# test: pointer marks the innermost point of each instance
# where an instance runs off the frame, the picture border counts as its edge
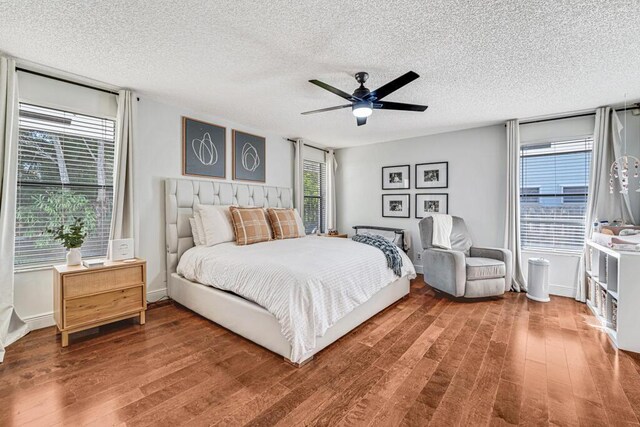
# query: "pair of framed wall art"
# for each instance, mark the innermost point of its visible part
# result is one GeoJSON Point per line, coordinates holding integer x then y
{"type": "Point", "coordinates": [427, 176]}
{"type": "Point", "coordinates": [204, 152]}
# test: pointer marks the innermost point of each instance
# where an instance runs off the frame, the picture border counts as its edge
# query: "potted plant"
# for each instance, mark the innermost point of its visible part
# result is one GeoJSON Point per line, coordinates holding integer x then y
{"type": "Point", "coordinates": [72, 237]}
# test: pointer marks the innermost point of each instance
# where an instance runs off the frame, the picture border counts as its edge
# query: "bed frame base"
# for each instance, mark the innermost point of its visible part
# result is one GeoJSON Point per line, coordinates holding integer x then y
{"type": "Point", "coordinates": [256, 324]}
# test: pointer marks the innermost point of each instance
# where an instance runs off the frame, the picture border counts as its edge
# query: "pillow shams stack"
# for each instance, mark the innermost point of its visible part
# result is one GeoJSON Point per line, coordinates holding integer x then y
{"type": "Point", "coordinates": [213, 223]}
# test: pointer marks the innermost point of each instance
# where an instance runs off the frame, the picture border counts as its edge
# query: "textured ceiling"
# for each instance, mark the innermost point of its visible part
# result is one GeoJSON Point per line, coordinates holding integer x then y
{"type": "Point", "coordinates": [249, 61]}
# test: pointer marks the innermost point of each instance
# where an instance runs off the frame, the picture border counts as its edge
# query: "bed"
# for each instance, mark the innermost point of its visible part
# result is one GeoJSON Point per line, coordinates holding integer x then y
{"type": "Point", "coordinates": [339, 291]}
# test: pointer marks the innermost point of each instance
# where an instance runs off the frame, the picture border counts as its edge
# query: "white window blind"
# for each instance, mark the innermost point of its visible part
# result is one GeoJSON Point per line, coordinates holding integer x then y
{"type": "Point", "coordinates": [65, 170]}
{"type": "Point", "coordinates": [315, 184]}
{"type": "Point", "coordinates": [554, 186]}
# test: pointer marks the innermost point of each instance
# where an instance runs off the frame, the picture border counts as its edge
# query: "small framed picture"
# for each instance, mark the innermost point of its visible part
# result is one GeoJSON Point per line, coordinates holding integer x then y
{"type": "Point", "coordinates": [396, 205]}
{"type": "Point", "coordinates": [249, 157]}
{"type": "Point", "coordinates": [203, 149]}
{"type": "Point", "coordinates": [431, 203]}
{"type": "Point", "coordinates": [396, 177]}
{"type": "Point", "coordinates": [432, 175]}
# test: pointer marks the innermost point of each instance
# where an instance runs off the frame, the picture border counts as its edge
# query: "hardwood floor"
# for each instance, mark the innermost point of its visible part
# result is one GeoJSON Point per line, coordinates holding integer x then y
{"type": "Point", "coordinates": [426, 360]}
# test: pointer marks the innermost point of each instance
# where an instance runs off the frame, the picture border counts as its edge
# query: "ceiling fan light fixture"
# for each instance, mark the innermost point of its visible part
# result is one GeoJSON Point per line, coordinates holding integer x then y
{"type": "Point", "coordinates": [362, 109]}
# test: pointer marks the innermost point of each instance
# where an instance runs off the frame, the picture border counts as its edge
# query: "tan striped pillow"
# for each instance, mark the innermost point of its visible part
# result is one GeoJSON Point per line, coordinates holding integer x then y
{"type": "Point", "coordinates": [250, 225]}
{"type": "Point", "coordinates": [283, 223]}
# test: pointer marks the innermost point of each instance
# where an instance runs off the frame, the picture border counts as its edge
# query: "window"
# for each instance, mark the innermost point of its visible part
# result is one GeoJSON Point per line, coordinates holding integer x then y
{"type": "Point", "coordinates": [65, 170]}
{"type": "Point", "coordinates": [315, 184]}
{"type": "Point", "coordinates": [554, 185]}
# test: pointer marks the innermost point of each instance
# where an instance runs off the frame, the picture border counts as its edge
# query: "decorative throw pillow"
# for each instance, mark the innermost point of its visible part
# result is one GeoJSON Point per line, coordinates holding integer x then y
{"type": "Point", "coordinates": [250, 225]}
{"type": "Point", "coordinates": [283, 223]}
{"type": "Point", "coordinates": [216, 224]}
{"type": "Point", "coordinates": [194, 232]}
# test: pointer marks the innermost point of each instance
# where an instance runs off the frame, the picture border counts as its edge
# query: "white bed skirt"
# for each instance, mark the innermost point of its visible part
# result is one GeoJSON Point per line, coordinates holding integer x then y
{"type": "Point", "coordinates": [256, 324]}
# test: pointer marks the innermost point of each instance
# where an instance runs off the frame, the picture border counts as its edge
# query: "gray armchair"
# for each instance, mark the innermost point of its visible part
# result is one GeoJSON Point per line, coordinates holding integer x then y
{"type": "Point", "coordinates": [465, 270]}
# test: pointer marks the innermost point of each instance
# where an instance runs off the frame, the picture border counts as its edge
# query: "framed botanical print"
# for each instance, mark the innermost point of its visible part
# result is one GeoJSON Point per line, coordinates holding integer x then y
{"type": "Point", "coordinates": [249, 159]}
{"type": "Point", "coordinates": [396, 177]}
{"type": "Point", "coordinates": [427, 204]}
{"type": "Point", "coordinates": [203, 149]}
{"type": "Point", "coordinates": [432, 175]}
{"type": "Point", "coordinates": [396, 205]}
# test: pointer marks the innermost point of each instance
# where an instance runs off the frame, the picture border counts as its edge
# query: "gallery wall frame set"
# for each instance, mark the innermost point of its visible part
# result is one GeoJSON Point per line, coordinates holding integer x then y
{"type": "Point", "coordinates": [432, 175]}
{"type": "Point", "coordinates": [204, 152]}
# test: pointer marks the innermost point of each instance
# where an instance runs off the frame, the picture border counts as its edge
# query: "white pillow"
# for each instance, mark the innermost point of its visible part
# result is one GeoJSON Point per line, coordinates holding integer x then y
{"type": "Point", "coordinates": [194, 232]}
{"type": "Point", "coordinates": [301, 232]}
{"type": "Point", "coordinates": [216, 224]}
{"type": "Point", "coordinates": [199, 226]}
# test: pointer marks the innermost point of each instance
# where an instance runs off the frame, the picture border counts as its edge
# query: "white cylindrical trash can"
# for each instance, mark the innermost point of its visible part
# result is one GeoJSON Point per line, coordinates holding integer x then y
{"type": "Point", "coordinates": [538, 280]}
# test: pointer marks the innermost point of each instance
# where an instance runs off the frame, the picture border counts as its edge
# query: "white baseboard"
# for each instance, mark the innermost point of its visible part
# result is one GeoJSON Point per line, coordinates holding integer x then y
{"type": "Point", "coordinates": [418, 268]}
{"type": "Point", "coordinates": [156, 295]}
{"type": "Point", "coordinates": [562, 291]}
{"type": "Point", "coordinates": [40, 321]}
{"type": "Point", "coordinates": [45, 320]}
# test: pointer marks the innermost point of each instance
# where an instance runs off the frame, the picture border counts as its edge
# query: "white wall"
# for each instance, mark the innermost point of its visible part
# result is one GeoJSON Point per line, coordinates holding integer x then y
{"type": "Point", "coordinates": [158, 155]}
{"type": "Point", "coordinates": [477, 174]}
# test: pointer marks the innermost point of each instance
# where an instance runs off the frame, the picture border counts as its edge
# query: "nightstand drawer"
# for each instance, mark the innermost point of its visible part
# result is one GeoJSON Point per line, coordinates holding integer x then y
{"type": "Point", "coordinates": [94, 308]}
{"type": "Point", "coordinates": [91, 282]}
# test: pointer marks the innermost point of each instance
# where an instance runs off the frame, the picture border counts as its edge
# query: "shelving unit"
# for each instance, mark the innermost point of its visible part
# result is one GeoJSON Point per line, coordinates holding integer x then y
{"type": "Point", "coordinates": [613, 294]}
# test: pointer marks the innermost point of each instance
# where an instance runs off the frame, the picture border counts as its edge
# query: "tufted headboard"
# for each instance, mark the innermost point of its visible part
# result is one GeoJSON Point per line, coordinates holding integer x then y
{"type": "Point", "coordinates": [181, 195]}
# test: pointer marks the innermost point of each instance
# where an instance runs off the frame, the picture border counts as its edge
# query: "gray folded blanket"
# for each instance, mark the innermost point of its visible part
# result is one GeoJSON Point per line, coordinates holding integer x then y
{"type": "Point", "coordinates": [390, 250]}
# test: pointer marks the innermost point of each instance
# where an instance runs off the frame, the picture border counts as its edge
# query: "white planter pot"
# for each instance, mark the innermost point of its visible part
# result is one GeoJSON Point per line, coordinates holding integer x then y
{"type": "Point", "coordinates": [74, 256]}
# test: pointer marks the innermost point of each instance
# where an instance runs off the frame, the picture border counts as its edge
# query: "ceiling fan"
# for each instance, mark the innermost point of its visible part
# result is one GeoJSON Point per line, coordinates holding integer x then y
{"type": "Point", "coordinates": [363, 101]}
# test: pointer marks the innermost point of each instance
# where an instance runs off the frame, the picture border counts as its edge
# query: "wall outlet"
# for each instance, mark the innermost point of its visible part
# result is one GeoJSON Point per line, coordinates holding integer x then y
{"type": "Point", "coordinates": [418, 256]}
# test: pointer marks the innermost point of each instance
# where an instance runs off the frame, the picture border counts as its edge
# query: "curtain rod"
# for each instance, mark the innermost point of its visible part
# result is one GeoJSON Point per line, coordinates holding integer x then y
{"type": "Point", "coordinates": [309, 145]}
{"type": "Point", "coordinates": [574, 116]}
{"type": "Point", "coordinates": [24, 70]}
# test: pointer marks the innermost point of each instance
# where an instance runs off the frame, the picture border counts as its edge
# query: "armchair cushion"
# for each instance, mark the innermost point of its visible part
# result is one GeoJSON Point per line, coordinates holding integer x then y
{"type": "Point", "coordinates": [484, 268]}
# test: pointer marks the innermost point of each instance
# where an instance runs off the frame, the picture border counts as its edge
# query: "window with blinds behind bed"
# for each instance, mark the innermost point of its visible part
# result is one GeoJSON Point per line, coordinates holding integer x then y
{"type": "Point", "coordinates": [315, 185]}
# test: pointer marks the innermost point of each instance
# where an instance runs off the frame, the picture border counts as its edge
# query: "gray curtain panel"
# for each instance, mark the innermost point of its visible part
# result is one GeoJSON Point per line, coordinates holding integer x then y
{"type": "Point", "coordinates": [332, 167]}
{"type": "Point", "coordinates": [512, 217]}
{"type": "Point", "coordinates": [122, 219]}
{"type": "Point", "coordinates": [12, 328]}
{"type": "Point", "coordinates": [607, 146]}
{"type": "Point", "coordinates": [298, 177]}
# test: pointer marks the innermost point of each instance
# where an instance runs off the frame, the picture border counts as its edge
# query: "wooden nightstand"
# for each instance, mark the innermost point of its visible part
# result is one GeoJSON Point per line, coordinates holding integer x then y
{"type": "Point", "coordinates": [343, 236]}
{"type": "Point", "coordinates": [84, 298]}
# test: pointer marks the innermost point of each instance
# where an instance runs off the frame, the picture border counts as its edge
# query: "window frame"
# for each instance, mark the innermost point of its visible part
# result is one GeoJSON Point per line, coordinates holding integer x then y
{"type": "Point", "coordinates": [586, 140]}
{"type": "Point", "coordinates": [322, 179]}
{"type": "Point", "coordinates": [47, 265]}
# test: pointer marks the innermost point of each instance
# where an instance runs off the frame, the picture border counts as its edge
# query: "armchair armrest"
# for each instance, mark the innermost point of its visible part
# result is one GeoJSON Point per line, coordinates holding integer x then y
{"type": "Point", "coordinates": [445, 270]}
{"type": "Point", "coordinates": [503, 255]}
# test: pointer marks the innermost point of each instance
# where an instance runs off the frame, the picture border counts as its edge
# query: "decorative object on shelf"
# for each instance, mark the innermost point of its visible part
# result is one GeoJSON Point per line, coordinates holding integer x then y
{"type": "Point", "coordinates": [432, 175]}
{"type": "Point", "coordinates": [249, 158]}
{"type": "Point", "coordinates": [396, 205]}
{"type": "Point", "coordinates": [614, 314]}
{"type": "Point", "coordinates": [72, 237]}
{"type": "Point", "coordinates": [428, 203]}
{"type": "Point", "coordinates": [120, 249]}
{"type": "Point", "coordinates": [203, 149]}
{"type": "Point", "coordinates": [396, 177]}
{"type": "Point", "coordinates": [332, 232]}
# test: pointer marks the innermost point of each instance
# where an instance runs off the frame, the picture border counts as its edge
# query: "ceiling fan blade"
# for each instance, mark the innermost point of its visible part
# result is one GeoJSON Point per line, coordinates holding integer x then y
{"type": "Point", "coordinates": [386, 105]}
{"type": "Point", "coordinates": [322, 110]}
{"type": "Point", "coordinates": [393, 85]}
{"type": "Point", "coordinates": [361, 121]}
{"type": "Point", "coordinates": [334, 90]}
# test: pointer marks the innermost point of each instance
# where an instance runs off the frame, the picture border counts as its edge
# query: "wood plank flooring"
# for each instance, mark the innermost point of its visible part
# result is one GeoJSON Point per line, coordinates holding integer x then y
{"type": "Point", "coordinates": [427, 360]}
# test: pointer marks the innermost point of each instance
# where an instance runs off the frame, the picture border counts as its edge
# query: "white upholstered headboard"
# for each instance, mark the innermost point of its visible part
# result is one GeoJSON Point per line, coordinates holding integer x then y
{"type": "Point", "coordinates": [181, 195]}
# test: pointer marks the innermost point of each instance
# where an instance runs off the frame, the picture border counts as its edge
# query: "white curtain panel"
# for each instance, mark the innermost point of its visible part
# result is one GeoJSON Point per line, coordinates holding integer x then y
{"type": "Point", "coordinates": [332, 167]}
{"type": "Point", "coordinates": [12, 328]}
{"type": "Point", "coordinates": [122, 219]}
{"type": "Point", "coordinates": [512, 222]}
{"type": "Point", "coordinates": [607, 145]}
{"type": "Point", "coordinates": [298, 177]}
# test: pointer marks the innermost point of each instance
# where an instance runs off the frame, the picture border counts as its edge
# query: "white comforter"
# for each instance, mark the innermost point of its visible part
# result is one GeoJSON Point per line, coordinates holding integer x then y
{"type": "Point", "coordinates": [308, 284]}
